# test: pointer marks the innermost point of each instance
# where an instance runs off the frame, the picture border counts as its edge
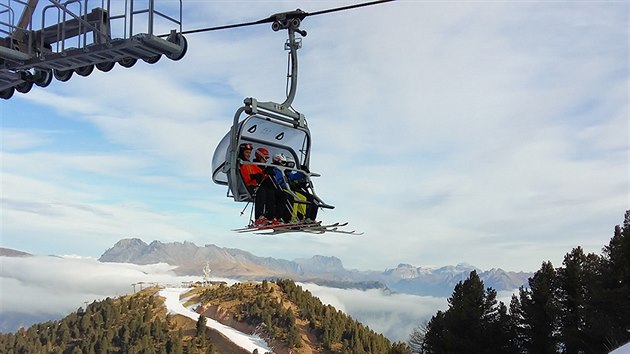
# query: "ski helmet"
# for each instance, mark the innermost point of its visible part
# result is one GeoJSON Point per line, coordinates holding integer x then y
{"type": "Point", "coordinates": [246, 146]}
{"type": "Point", "coordinates": [289, 161]}
{"type": "Point", "coordinates": [279, 159]}
{"type": "Point", "coordinates": [261, 154]}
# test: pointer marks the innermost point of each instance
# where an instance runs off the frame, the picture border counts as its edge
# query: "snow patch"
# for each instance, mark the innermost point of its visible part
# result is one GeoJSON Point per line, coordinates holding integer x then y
{"type": "Point", "coordinates": [245, 341]}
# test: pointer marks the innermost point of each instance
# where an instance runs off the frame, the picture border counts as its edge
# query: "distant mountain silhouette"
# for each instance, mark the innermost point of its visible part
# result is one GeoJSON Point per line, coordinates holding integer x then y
{"type": "Point", "coordinates": [8, 252]}
{"type": "Point", "coordinates": [409, 279]}
{"type": "Point", "coordinates": [324, 270]}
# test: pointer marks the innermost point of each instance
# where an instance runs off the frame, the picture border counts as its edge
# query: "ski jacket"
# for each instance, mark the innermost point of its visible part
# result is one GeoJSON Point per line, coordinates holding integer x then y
{"type": "Point", "coordinates": [252, 174]}
{"type": "Point", "coordinates": [297, 180]}
{"type": "Point", "coordinates": [278, 178]}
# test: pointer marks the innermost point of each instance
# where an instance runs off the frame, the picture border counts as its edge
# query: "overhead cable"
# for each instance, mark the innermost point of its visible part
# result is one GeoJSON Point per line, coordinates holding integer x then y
{"type": "Point", "coordinates": [272, 18]}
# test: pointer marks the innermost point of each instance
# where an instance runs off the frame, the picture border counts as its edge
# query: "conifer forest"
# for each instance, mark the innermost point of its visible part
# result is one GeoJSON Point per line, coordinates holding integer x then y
{"type": "Point", "coordinates": [583, 306]}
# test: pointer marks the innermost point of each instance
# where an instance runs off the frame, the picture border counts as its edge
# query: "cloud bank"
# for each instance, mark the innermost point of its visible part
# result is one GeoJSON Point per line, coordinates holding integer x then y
{"type": "Point", "coordinates": [394, 315]}
{"type": "Point", "coordinates": [40, 288]}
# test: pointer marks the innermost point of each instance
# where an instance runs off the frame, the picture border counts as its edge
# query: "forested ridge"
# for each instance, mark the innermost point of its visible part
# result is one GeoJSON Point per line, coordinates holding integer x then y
{"type": "Point", "coordinates": [289, 318]}
{"type": "Point", "coordinates": [582, 306]}
{"type": "Point", "coordinates": [128, 324]}
{"type": "Point", "coordinates": [294, 320]}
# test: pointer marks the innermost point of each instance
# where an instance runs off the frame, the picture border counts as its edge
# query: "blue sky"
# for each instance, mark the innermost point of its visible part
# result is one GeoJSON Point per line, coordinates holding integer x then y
{"type": "Point", "coordinates": [492, 133]}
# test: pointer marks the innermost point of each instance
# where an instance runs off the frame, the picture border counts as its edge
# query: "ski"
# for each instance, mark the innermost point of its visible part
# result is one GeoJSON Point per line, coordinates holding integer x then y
{"type": "Point", "coordinates": [336, 229]}
{"type": "Point", "coordinates": [307, 227]}
{"type": "Point", "coordinates": [290, 225]}
{"type": "Point", "coordinates": [312, 229]}
{"type": "Point", "coordinates": [315, 227]}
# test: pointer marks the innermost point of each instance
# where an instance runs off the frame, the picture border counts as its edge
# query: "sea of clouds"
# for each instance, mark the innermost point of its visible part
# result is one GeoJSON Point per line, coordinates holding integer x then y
{"type": "Point", "coordinates": [40, 288]}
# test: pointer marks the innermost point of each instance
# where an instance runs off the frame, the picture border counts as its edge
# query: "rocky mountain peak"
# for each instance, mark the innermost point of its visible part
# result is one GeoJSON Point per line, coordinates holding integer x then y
{"type": "Point", "coordinates": [125, 251]}
{"type": "Point", "coordinates": [406, 271]}
{"type": "Point", "coordinates": [405, 265]}
{"type": "Point", "coordinates": [130, 242]}
{"type": "Point", "coordinates": [321, 264]}
{"type": "Point", "coordinates": [458, 269]}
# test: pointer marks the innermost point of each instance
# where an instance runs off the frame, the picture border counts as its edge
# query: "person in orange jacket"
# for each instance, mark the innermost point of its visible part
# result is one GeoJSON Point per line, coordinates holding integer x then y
{"type": "Point", "coordinates": [259, 184]}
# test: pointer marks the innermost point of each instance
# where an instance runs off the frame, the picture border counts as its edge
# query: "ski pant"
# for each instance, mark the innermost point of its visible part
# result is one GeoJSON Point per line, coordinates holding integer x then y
{"type": "Point", "coordinates": [284, 205]}
{"type": "Point", "coordinates": [272, 202]}
{"type": "Point", "coordinates": [264, 203]}
{"type": "Point", "coordinates": [306, 210]}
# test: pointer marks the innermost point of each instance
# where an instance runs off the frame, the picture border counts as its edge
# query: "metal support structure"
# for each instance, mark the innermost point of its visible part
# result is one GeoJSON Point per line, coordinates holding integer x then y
{"type": "Point", "coordinates": [29, 56]}
{"type": "Point", "coordinates": [27, 14]}
{"type": "Point", "coordinates": [291, 22]}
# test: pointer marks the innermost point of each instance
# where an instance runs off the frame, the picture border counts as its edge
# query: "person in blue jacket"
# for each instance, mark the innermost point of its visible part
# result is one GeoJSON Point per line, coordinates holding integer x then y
{"type": "Point", "coordinates": [283, 197]}
{"type": "Point", "coordinates": [299, 183]}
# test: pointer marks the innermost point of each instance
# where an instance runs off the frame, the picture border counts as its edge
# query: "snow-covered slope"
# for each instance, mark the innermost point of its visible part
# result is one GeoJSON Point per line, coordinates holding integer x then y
{"type": "Point", "coordinates": [245, 341]}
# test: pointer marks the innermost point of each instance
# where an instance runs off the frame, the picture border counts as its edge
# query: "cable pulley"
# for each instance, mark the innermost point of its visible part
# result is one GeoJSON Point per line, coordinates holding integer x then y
{"type": "Point", "coordinates": [289, 20]}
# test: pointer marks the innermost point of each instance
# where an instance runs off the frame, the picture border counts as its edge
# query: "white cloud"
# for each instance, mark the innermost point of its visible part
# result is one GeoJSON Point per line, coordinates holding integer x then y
{"type": "Point", "coordinates": [15, 139]}
{"type": "Point", "coordinates": [394, 315]}
{"type": "Point", "coordinates": [56, 286]}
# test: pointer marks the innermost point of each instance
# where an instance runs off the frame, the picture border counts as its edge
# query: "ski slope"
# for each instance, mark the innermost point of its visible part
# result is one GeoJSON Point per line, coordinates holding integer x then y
{"type": "Point", "coordinates": [245, 341]}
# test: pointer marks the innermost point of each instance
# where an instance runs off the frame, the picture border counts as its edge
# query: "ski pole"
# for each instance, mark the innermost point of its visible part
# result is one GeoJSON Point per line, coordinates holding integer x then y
{"type": "Point", "coordinates": [243, 211]}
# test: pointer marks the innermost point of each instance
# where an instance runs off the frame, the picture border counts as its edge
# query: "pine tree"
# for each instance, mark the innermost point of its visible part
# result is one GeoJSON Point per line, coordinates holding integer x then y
{"type": "Point", "coordinates": [614, 299]}
{"type": "Point", "coordinates": [174, 344]}
{"type": "Point", "coordinates": [190, 347]}
{"type": "Point", "coordinates": [539, 312]}
{"type": "Point", "coordinates": [200, 329]}
{"type": "Point", "coordinates": [63, 334]}
{"type": "Point", "coordinates": [437, 338]}
{"type": "Point", "coordinates": [474, 322]}
{"type": "Point", "coordinates": [573, 300]}
{"type": "Point", "coordinates": [84, 323]}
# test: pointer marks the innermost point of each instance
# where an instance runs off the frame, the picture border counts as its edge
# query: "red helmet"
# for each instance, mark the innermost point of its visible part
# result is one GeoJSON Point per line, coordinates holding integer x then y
{"type": "Point", "coordinates": [261, 154]}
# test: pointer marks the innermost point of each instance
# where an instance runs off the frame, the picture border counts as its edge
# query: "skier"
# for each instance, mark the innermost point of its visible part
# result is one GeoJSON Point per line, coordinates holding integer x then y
{"type": "Point", "coordinates": [284, 197]}
{"type": "Point", "coordinates": [299, 184]}
{"type": "Point", "coordinates": [259, 184]}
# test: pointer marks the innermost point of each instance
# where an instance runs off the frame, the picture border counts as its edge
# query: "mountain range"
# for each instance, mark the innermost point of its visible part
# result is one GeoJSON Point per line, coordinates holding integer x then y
{"type": "Point", "coordinates": [190, 259]}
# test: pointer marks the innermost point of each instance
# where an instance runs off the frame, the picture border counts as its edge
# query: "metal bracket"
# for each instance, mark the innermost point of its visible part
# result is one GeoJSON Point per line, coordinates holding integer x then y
{"type": "Point", "coordinates": [297, 44]}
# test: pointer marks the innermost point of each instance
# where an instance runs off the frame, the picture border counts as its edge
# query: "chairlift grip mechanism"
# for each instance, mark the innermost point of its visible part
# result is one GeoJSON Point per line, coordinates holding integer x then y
{"type": "Point", "coordinates": [275, 110]}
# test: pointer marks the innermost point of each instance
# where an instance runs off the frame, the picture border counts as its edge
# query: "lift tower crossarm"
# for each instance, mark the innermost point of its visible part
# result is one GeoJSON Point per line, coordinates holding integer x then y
{"type": "Point", "coordinates": [27, 14]}
{"type": "Point", "coordinates": [22, 28]}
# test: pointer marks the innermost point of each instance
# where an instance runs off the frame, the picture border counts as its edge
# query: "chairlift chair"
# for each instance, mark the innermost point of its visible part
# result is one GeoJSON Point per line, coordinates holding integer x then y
{"type": "Point", "coordinates": [276, 127]}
